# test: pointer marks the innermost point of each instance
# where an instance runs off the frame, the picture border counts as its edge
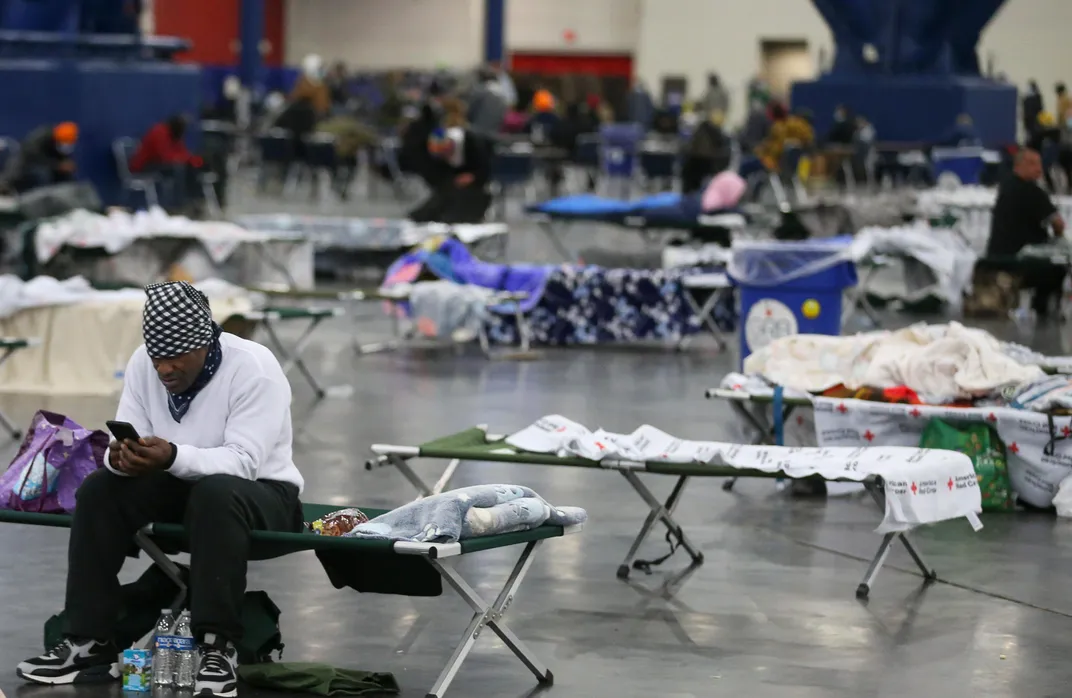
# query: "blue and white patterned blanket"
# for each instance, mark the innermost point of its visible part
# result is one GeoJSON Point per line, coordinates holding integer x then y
{"type": "Point", "coordinates": [469, 512]}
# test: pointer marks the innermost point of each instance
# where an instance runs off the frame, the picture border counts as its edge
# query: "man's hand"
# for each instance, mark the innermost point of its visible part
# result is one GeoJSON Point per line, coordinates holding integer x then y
{"type": "Point", "coordinates": [464, 179]}
{"type": "Point", "coordinates": [145, 455]}
{"type": "Point", "coordinates": [66, 167]}
{"type": "Point", "coordinates": [113, 456]}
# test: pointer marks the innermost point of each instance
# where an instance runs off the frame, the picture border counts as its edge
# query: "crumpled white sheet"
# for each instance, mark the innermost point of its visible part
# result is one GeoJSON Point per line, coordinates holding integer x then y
{"type": "Point", "coordinates": [118, 229]}
{"type": "Point", "coordinates": [942, 250]}
{"type": "Point", "coordinates": [941, 363]}
{"type": "Point", "coordinates": [41, 291]}
{"type": "Point", "coordinates": [922, 485]}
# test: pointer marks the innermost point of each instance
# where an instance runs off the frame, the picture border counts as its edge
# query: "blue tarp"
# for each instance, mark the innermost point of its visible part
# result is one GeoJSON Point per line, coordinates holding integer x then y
{"type": "Point", "coordinates": [666, 209]}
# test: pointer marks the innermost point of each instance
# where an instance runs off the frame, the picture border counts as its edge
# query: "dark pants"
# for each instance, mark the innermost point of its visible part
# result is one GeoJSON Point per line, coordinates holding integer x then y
{"type": "Point", "coordinates": [180, 184]}
{"type": "Point", "coordinates": [218, 512]}
{"type": "Point", "coordinates": [452, 204]}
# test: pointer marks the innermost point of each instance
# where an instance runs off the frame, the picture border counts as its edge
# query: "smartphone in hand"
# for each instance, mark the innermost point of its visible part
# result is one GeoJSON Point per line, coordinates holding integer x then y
{"type": "Point", "coordinates": [123, 431]}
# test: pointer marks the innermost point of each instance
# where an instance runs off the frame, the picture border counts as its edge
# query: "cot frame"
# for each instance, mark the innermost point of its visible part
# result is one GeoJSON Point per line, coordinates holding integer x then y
{"type": "Point", "coordinates": [8, 347]}
{"type": "Point", "coordinates": [291, 356]}
{"type": "Point", "coordinates": [399, 336]}
{"type": "Point", "coordinates": [442, 557]}
{"type": "Point", "coordinates": [661, 511]}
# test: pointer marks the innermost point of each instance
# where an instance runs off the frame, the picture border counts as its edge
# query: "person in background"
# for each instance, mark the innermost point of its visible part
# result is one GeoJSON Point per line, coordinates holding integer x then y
{"type": "Point", "coordinates": [1024, 215]}
{"type": "Point", "coordinates": [756, 126]}
{"type": "Point", "coordinates": [413, 155]}
{"type": "Point", "coordinates": [487, 105]}
{"type": "Point", "coordinates": [1064, 102]}
{"type": "Point", "coordinates": [963, 134]}
{"type": "Point", "coordinates": [716, 98]}
{"type": "Point", "coordinates": [640, 105]}
{"type": "Point", "coordinates": [213, 414]}
{"type": "Point", "coordinates": [544, 121]}
{"type": "Point", "coordinates": [706, 154]}
{"type": "Point", "coordinates": [163, 152]}
{"type": "Point", "coordinates": [506, 87]}
{"type": "Point", "coordinates": [336, 82]}
{"type": "Point", "coordinates": [311, 86]}
{"type": "Point", "coordinates": [1045, 138]}
{"type": "Point", "coordinates": [843, 132]}
{"type": "Point", "coordinates": [45, 158]}
{"type": "Point", "coordinates": [1031, 106]}
{"type": "Point", "coordinates": [461, 197]}
{"type": "Point", "coordinates": [787, 130]}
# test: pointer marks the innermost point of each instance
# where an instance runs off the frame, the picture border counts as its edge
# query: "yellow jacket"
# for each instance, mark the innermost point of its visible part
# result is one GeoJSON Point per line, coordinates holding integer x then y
{"type": "Point", "coordinates": [791, 130]}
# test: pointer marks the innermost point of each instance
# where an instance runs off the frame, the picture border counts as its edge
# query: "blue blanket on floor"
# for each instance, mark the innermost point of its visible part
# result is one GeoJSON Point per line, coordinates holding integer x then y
{"type": "Point", "coordinates": [451, 260]}
{"type": "Point", "coordinates": [470, 512]}
{"type": "Point", "coordinates": [667, 208]}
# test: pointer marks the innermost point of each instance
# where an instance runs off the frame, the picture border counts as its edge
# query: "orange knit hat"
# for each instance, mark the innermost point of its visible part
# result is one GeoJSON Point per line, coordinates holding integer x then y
{"type": "Point", "coordinates": [543, 101]}
{"type": "Point", "coordinates": [66, 133]}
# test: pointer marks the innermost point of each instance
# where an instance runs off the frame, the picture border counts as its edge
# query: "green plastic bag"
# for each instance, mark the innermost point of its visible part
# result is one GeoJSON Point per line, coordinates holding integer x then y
{"type": "Point", "coordinates": [980, 443]}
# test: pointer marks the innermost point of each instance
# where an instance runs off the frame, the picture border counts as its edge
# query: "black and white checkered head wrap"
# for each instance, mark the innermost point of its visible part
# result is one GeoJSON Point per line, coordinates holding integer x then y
{"type": "Point", "coordinates": [176, 320]}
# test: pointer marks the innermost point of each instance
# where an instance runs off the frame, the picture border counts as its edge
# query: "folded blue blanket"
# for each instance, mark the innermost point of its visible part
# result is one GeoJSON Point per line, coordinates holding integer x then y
{"type": "Point", "coordinates": [469, 512]}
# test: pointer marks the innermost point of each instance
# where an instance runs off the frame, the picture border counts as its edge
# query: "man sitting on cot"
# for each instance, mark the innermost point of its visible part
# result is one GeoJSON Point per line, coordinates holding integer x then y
{"type": "Point", "coordinates": [462, 197]}
{"type": "Point", "coordinates": [214, 454]}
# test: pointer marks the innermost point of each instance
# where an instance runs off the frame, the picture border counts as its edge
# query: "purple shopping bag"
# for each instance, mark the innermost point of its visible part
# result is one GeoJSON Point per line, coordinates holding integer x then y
{"type": "Point", "coordinates": [55, 457]}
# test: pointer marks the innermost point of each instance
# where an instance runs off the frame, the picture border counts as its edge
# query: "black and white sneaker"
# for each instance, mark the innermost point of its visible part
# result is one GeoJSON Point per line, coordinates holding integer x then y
{"type": "Point", "coordinates": [217, 673]}
{"type": "Point", "coordinates": [73, 661]}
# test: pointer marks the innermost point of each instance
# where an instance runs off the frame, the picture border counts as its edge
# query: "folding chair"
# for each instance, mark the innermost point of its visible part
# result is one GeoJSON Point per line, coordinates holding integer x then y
{"type": "Point", "coordinates": [122, 150]}
{"type": "Point", "coordinates": [511, 167]}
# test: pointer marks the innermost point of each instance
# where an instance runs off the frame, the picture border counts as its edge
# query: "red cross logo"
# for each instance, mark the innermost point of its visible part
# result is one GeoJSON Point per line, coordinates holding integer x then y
{"type": "Point", "coordinates": [769, 313]}
{"type": "Point", "coordinates": [1066, 430]}
{"type": "Point", "coordinates": [560, 429]}
{"type": "Point", "coordinates": [841, 408]}
{"type": "Point", "coordinates": [601, 446]}
{"type": "Point", "coordinates": [1014, 448]}
{"type": "Point", "coordinates": [991, 417]}
{"type": "Point", "coordinates": [869, 436]}
{"type": "Point", "coordinates": [915, 412]}
{"type": "Point", "coordinates": [914, 488]}
{"type": "Point", "coordinates": [800, 420]}
{"type": "Point", "coordinates": [950, 483]}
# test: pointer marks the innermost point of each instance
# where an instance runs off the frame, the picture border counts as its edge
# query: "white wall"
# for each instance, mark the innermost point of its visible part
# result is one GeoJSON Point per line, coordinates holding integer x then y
{"type": "Point", "coordinates": [694, 37]}
{"type": "Point", "coordinates": [599, 26]}
{"type": "Point", "coordinates": [377, 34]}
{"type": "Point", "coordinates": [1029, 39]}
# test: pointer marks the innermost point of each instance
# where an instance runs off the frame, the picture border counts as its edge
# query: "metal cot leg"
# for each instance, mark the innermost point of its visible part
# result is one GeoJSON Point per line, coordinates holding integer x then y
{"type": "Point", "coordinates": [292, 357]}
{"type": "Point", "coordinates": [7, 424]}
{"type": "Point", "coordinates": [658, 511]}
{"type": "Point", "coordinates": [877, 491]}
{"type": "Point", "coordinates": [489, 615]}
{"type": "Point", "coordinates": [764, 430]}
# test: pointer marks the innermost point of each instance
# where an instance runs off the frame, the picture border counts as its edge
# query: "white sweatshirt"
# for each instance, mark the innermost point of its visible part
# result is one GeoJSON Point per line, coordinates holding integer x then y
{"type": "Point", "coordinates": [239, 424]}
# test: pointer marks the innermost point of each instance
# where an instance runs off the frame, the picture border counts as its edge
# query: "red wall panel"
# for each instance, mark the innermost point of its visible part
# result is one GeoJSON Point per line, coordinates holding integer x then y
{"type": "Point", "coordinates": [212, 26]}
{"type": "Point", "coordinates": [572, 64]}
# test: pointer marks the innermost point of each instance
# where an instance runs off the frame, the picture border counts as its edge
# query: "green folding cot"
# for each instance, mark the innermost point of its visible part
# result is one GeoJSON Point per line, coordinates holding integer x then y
{"type": "Point", "coordinates": [408, 559]}
{"type": "Point", "coordinates": [476, 444]}
{"type": "Point", "coordinates": [291, 356]}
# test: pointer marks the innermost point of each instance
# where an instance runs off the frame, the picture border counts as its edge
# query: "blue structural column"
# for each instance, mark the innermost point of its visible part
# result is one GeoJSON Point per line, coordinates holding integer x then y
{"type": "Point", "coordinates": [250, 35]}
{"type": "Point", "coordinates": [494, 30]}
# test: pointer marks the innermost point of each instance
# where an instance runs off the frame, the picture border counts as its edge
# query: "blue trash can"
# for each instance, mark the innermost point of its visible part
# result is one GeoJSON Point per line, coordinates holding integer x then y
{"type": "Point", "coordinates": [788, 288]}
{"type": "Point", "coordinates": [966, 164]}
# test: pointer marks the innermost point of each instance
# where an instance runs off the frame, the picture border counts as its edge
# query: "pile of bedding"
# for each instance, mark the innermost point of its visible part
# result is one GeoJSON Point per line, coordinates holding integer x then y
{"type": "Point", "coordinates": [939, 364]}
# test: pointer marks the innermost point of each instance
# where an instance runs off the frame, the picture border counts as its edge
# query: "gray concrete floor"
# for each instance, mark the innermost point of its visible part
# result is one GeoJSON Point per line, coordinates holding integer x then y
{"type": "Point", "coordinates": [771, 613]}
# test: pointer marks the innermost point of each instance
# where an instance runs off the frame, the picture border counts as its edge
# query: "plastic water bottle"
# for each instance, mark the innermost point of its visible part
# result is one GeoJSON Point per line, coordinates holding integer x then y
{"type": "Point", "coordinates": [185, 652]}
{"type": "Point", "coordinates": [163, 654]}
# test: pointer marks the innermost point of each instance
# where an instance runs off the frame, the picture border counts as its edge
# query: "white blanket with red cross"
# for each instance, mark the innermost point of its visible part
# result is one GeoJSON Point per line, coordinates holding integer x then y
{"type": "Point", "coordinates": [1039, 456]}
{"type": "Point", "coordinates": [923, 486]}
